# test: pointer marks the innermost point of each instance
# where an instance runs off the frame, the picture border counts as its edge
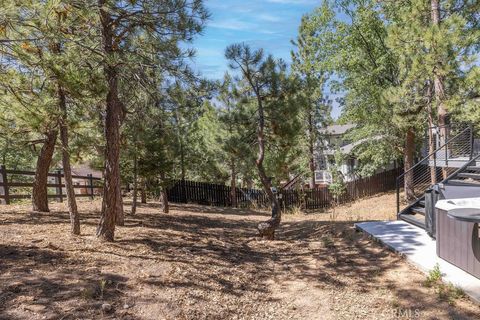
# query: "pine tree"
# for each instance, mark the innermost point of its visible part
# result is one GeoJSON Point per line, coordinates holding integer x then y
{"type": "Point", "coordinates": [366, 73]}
{"type": "Point", "coordinates": [316, 108]}
{"type": "Point", "coordinates": [270, 89]}
{"type": "Point", "coordinates": [23, 57]}
{"type": "Point", "coordinates": [233, 135]}
{"type": "Point", "coordinates": [433, 53]}
{"type": "Point", "coordinates": [123, 25]}
{"type": "Point", "coordinates": [40, 46]}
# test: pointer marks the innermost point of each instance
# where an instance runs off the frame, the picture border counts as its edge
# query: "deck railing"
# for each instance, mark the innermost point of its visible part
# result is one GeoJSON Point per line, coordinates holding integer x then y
{"type": "Point", "coordinates": [457, 150]}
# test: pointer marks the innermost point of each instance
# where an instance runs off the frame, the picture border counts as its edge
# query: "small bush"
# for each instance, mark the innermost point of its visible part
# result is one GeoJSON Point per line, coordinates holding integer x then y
{"type": "Point", "coordinates": [445, 292]}
{"type": "Point", "coordinates": [296, 210]}
{"type": "Point", "coordinates": [434, 276]}
{"type": "Point", "coordinates": [449, 292]}
{"type": "Point", "coordinates": [101, 286]}
{"type": "Point", "coordinates": [88, 293]}
{"type": "Point", "coordinates": [328, 242]}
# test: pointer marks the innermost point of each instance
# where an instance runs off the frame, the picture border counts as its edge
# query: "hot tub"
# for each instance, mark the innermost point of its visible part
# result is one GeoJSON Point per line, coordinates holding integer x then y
{"type": "Point", "coordinates": [458, 240]}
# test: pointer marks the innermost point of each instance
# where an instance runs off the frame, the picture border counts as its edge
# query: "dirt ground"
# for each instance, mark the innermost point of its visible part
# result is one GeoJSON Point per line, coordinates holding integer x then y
{"type": "Point", "coordinates": [205, 263]}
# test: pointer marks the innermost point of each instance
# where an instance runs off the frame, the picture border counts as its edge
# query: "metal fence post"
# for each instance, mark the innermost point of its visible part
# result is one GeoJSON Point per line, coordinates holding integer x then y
{"type": "Point", "coordinates": [397, 187]}
{"type": "Point", "coordinates": [446, 148]}
{"type": "Point", "coordinates": [58, 182]}
{"type": "Point", "coordinates": [4, 181]}
{"type": "Point", "coordinates": [472, 145]}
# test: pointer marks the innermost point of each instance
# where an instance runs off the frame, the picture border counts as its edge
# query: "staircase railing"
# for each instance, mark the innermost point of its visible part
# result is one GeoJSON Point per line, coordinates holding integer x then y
{"type": "Point", "coordinates": [435, 166]}
{"type": "Point", "coordinates": [454, 175]}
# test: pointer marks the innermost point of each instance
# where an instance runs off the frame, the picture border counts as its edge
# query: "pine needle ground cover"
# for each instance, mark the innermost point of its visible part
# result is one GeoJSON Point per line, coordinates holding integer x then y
{"type": "Point", "coordinates": [201, 262]}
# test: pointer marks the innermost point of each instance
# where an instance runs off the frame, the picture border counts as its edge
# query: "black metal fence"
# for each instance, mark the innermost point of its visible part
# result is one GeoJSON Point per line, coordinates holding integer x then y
{"type": "Point", "coordinates": [220, 195]}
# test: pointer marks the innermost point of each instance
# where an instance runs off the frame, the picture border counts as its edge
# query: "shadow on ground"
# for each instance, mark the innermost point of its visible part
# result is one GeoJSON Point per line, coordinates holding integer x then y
{"type": "Point", "coordinates": [48, 283]}
{"type": "Point", "coordinates": [196, 263]}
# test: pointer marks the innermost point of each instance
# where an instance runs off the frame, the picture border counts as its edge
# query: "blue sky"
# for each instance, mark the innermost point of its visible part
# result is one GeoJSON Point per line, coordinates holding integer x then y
{"type": "Point", "coordinates": [267, 24]}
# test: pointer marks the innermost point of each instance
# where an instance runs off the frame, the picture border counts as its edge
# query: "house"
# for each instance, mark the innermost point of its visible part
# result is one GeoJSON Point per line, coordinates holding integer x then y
{"type": "Point", "coordinates": [334, 140]}
{"type": "Point", "coordinates": [80, 177]}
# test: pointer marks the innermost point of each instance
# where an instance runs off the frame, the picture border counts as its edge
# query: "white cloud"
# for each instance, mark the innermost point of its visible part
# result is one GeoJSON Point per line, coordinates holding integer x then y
{"type": "Point", "coordinates": [293, 1]}
{"type": "Point", "coordinates": [268, 17]}
{"type": "Point", "coordinates": [232, 24]}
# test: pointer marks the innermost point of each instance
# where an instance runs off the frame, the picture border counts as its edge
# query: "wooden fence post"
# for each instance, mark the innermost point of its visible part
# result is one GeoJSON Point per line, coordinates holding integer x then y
{"type": "Point", "coordinates": [183, 191]}
{"type": "Point", "coordinates": [58, 181]}
{"type": "Point", "coordinates": [4, 180]}
{"type": "Point", "coordinates": [143, 192]}
{"type": "Point", "coordinates": [90, 185]}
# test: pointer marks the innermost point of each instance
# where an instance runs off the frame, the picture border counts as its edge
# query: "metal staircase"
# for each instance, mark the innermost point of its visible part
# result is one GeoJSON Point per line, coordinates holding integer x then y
{"type": "Point", "coordinates": [457, 158]}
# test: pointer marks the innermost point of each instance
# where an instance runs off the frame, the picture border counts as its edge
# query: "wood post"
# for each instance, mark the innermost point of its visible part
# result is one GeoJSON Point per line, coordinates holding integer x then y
{"type": "Point", "coordinates": [143, 192]}
{"type": "Point", "coordinates": [4, 181]}
{"type": "Point", "coordinates": [184, 191]}
{"type": "Point", "coordinates": [58, 182]}
{"type": "Point", "coordinates": [90, 185]}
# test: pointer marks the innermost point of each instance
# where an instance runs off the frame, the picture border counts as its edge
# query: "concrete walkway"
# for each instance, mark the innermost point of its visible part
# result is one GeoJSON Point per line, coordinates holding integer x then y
{"type": "Point", "coordinates": [420, 250]}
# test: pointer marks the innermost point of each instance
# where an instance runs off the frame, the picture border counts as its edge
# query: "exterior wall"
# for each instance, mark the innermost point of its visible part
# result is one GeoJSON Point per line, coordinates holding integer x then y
{"type": "Point", "coordinates": [458, 242]}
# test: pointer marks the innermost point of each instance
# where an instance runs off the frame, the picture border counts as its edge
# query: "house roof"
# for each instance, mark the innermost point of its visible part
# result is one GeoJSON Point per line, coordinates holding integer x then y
{"type": "Point", "coordinates": [84, 169]}
{"type": "Point", "coordinates": [347, 149]}
{"type": "Point", "coordinates": [337, 129]}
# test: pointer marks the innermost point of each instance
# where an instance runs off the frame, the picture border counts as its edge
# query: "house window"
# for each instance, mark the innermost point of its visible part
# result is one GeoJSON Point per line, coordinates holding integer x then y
{"type": "Point", "coordinates": [350, 165]}
{"type": "Point", "coordinates": [321, 163]}
{"type": "Point", "coordinates": [323, 176]}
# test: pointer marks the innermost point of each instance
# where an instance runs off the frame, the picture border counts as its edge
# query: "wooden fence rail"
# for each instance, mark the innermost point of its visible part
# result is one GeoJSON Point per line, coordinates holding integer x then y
{"type": "Point", "coordinates": [220, 195]}
{"type": "Point", "coordinates": [13, 184]}
{"type": "Point", "coordinates": [12, 180]}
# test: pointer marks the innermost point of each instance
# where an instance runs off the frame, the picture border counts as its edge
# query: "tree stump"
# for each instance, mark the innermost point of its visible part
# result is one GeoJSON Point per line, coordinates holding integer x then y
{"type": "Point", "coordinates": [267, 228]}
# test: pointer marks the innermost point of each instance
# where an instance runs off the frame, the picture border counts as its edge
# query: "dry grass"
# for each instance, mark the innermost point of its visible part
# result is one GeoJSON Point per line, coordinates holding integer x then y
{"type": "Point", "coordinates": [205, 263]}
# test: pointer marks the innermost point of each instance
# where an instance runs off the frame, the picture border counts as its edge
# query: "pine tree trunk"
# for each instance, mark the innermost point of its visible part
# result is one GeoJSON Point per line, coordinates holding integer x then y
{"type": "Point", "coordinates": [431, 149]}
{"type": "Point", "coordinates": [233, 184]}
{"type": "Point", "coordinates": [182, 162]}
{"type": "Point", "coordinates": [249, 182]}
{"type": "Point", "coordinates": [165, 204]}
{"type": "Point", "coordinates": [439, 85]}
{"type": "Point", "coordinates": [267, 228]}
{"type": "Point", "coordinates": [39, 190]}
{"type": "Point", "coordinates": [67, 170]}
{"type": "Point", "coordinates": [143, 192]}
{"type": "Point", "coordinates": [408, 163]}
{"type": "Point", "coordinates": [431, 137]}
{"type": "Point", "coordinates": [164, 195]}
{"type": "Point", "coordinates": [311, 150]}
{"type": "Point", "coordinates": [112, 206]}
{"type": "Point", "coordinates": [135, 184]}
{"type": "Point", "coordinates": [120, 218]}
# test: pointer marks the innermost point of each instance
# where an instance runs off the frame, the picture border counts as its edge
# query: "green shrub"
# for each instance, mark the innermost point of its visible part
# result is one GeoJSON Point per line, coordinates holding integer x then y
{"type": "Point", "coordinates": [434, 276]}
